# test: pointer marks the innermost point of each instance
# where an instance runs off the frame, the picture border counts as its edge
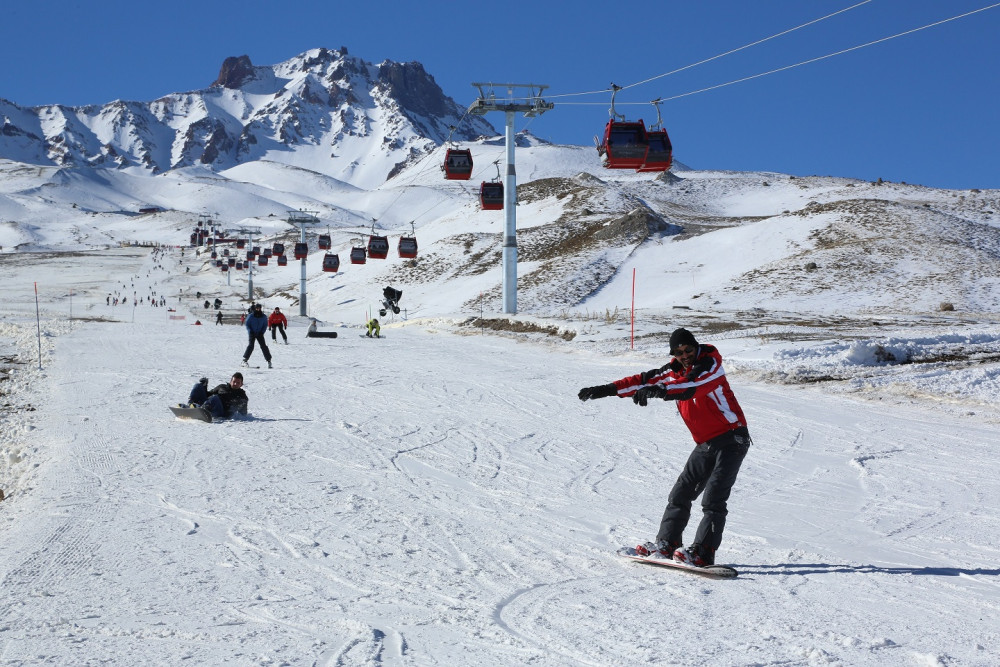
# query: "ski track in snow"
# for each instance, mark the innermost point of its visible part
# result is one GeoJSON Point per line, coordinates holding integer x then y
{"type": "Point", "coordinates": [404, 507]}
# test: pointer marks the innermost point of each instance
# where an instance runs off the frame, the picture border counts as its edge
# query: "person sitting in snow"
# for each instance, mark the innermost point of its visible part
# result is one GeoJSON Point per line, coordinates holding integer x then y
{"type": "Point", "coordinates": [696, 380]}
{"type": "Point", "coordinates": [224, 401]}
{"type": "Point", "coordinates": [373, 328]}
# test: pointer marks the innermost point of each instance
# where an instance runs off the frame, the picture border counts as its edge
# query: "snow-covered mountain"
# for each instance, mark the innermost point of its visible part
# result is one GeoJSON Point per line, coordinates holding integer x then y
{"type": "Point", "coordinates": [324, 110]}
{"type": "Point", "coordinates": [361, 146]}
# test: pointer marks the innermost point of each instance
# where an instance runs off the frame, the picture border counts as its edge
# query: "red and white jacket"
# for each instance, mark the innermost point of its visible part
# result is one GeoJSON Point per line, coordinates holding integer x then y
{"type": "Point", "coordinates": [277, 318]}
{"type": "Point", "coordinates": [712, 411]}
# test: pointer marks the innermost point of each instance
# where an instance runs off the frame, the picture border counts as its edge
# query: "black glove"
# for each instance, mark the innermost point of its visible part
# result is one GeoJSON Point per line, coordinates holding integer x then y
{"type": "Point", "coordinates": [642, 396]}
{"type": "Point", "coordinates": [699, 367]}
{"type": "Point", "coordinates": [602, 391]}
{"type": "Point", "coordinates": [646, 376]}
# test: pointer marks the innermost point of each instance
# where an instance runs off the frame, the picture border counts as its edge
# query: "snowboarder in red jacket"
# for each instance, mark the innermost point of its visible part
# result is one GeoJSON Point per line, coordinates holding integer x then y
{"type": "Point", "coordinates": [695, 379]}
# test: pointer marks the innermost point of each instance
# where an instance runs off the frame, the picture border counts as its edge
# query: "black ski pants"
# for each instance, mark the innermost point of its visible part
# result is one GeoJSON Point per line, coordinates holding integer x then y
{"type": "Point", "coordinates": [710, 471]}
{"type": "Point", "coordinates": [276, 329]}
{"type": "Point", "coordinates": [258, 338]}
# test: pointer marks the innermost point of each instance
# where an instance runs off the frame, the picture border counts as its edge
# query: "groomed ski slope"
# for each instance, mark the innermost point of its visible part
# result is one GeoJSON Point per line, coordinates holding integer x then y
{"type": "Point", "coordinates": [442, 497]}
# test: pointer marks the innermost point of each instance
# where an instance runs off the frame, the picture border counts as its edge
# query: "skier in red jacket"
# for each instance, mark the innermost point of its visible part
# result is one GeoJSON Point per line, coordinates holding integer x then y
{"type": "Point", "coordinates": [696, 380]}
{"type": "Point", "coordinates": [277, 322]}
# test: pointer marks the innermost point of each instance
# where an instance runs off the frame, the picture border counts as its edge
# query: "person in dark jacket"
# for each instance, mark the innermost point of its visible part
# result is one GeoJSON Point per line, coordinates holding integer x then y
{"type": "Point", "coordinates": [224, 401]}
{"type": "Point", "coordinates": [695, 379]}
{"type": "Point", "coordinates": [256, 326]}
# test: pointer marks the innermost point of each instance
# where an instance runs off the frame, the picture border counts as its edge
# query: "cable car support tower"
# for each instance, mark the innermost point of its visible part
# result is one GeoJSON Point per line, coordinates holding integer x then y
{"type": "Point", "coordinates": [530, 104]}
{"type": "Point", "coordinates": [249, 233]}
{"type": "Point", "coordinates": [302, 219]}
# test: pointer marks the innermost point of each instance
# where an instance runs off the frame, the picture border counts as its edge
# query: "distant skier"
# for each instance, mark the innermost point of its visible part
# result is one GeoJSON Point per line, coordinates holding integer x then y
{"type": "Point", "coordinates": [696, 380]}
{"type": "Point", "coordinates": [277, 322]}
{"type": "Point", "coordinates": [256, 326]}
{"type": "Point", "coordinates": [218, 318]}
{"type": "Point", "coordinates": [373, 328]}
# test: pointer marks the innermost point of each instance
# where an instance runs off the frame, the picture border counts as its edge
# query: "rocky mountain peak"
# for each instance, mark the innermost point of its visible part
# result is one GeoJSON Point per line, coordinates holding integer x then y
{"type": "Point", "coordinates": [414, 89]}
{"type": "Point", "coordinates": [235, 71]}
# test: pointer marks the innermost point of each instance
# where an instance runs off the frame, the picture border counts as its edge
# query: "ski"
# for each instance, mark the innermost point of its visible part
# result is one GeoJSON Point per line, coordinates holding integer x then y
{"type": "Point", "coordinates": [712, 571]}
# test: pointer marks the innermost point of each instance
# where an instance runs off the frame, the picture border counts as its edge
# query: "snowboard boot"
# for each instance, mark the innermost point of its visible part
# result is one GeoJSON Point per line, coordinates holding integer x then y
{"type": "Point", "coordinates": [269, 364]}
{"type": "Point", "coordinates": [245, 363]}
{"type": "Point", "coordinates": [657, 549]}
{"type": "Point", "coordinates": [696, 555]}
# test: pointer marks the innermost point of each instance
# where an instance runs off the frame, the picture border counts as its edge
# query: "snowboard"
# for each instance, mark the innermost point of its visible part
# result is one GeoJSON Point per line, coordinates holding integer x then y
{"type": "Point", "coordinates": [713, 571]}
{"type": "Point", "coordinates": [322, 334]}
{"type": "Point", "coordinates": [184, 412]}
{"type": "Point", "coordinates": [379, 337]}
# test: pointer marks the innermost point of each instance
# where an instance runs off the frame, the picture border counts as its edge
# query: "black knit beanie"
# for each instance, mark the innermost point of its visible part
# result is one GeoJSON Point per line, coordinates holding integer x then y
{"type": "Point", "coordinates": [681, 337]}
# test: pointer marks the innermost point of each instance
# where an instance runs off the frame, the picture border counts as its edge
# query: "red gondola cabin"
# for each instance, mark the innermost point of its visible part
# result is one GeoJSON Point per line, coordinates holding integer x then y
{"type": "Point", "coordinates": [491, 196]}
{"type": "Point", "coordinates": [358, 255]}
{"type": "Point", "coordinates": [324, 242]}
{"type": "Point", "coordinates": [378, 247]}
{"type": "Point", "coordinates": [301, 250]}
{"type": "Point", "coordinates": [407, 247]}
{"type": "Point", "coordinates": [660, 153]}
{"type": "Point", "coordinates": [457, 164]}
{"type": "Point", "coordinates": [625, 145]}
{"type": "Point", "coordinates": [331, 262]}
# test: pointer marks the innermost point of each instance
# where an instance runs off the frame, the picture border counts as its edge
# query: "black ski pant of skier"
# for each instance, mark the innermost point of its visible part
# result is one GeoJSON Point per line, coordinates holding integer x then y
{"type": "Point", "coordinates": [258, 338]}
{"type": "Point", "coordinates": [711, 471]}
{"type": "Point", "coordinates": [276, 329]}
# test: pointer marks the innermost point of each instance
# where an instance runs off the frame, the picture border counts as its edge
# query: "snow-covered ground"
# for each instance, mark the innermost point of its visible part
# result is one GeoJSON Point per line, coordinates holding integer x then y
{"type": "Point", "coordinates": [441, 496]}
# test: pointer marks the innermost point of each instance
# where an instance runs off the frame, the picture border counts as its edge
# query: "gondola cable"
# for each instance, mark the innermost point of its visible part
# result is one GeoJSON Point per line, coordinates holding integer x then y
{"type": "Point", "coordinates": [721, 55]}
{"type": "Point", "coordinates": [787, 67]}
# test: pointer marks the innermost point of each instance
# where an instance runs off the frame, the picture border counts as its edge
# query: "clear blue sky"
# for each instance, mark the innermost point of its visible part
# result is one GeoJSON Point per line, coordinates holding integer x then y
{"type": "Point", "coordinates": [921, 108]}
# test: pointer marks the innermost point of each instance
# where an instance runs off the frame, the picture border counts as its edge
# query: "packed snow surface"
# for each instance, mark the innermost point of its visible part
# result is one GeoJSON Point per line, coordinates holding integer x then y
{"type": "Point", "coordinates": [441, 496]}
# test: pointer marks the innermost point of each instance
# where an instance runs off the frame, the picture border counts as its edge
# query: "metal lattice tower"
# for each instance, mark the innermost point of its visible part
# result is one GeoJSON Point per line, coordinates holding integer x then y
{"type": "Point", "coordinates": [249, 233]}
{"type": "Point", "coordinates": [302, 219]}
{"type": "Point", "coordinates": [530, 104]}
